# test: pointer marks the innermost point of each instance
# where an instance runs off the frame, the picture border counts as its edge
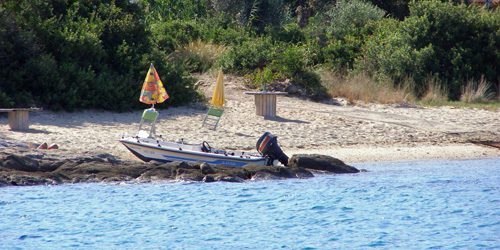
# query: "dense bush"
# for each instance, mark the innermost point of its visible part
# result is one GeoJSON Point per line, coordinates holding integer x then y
{"type": "Point", "coordinates": [396, 8]}
{"type": "Point", "coordinates": [95, 54]}
{"type": "Point", "coordinates": [255, 14]}
{"type": "Point", "coordinates": [289, 33]}
{"type": "Point", "coordinates": [167, 35]}
{"type": "Point", "coordinates": [221, 29]}
{"type": "Point", "coordinates": [291, 60]}
{"type": "Point", "coordinates": [164, 10]}
{"type": "Point", "coordinates": [71, 55]}
{"type": "Point", "coordinates": [249, 55]}
{"type": "Point", "coordinates": [454, 42]}
{"type": "Point", "coordinates": [340, 54]}
{"type": "Point", "coordinates": [348, 25]}
{"type": "Point", "coordinates": [311, 82]}
{"type": "Point", "coordinates": [348, 17]}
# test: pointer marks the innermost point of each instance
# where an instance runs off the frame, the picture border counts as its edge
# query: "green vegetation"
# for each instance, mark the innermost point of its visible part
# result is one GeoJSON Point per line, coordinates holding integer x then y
{"type": "Point", "coordinates": [81, 54]}
{"type": "Point", "coordinates": [94, 54]}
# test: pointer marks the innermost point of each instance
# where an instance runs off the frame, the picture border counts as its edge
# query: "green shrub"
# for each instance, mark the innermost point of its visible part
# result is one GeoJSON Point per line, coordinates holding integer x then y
{"type": "Point", "coordinates": [348, 17]}
{"type": "Point", "coordinates": [291, 61]}
{"type": "Point", "coordinates": [311, 82]}
{"type": "Point", "coordinates": [341, 54]}
{"type": "Point", "coordinates": [396, 8]}
{"type": "Point", "coordinates": [222, 30]}
{"type": "Point", "coordinates": [290, 33]}
{"type": "Point", "coordinates": [74, 55]}
{"type": "Point", "coordinates": [5, 100]}
{"type": "Point", "coordinates": [454, 42]}
{"type": "Point", "coordinates": [168, 37]}
{"type": "Point", "coordinates": [264, 79]}
{"type": "Point", "coordinates": [164, 10]}
{"type": "Point", "coordinates": [254, 14]}
{"type": "Point", "coordinates": [248, 56]}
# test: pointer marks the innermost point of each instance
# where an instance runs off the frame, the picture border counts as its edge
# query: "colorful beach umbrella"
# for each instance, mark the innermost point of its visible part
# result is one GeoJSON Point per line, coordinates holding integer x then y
{"type": "Point", "coordinates": [152, 90]}
{"type": "Point", "coordinates": [218, 96]}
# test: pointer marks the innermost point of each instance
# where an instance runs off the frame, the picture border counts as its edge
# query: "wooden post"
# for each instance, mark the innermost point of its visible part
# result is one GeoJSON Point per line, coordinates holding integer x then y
{"type": "Point", "coordinates": [265, 103]}
{"type": "Point", "coordinates": [19, 120]}
{"type": "Point", "coordinates": [19, 117]}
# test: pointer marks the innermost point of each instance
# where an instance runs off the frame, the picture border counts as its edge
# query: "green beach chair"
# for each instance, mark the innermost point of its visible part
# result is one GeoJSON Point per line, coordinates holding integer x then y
{"type": "Point", "coordinates": [149, 116]}
{"type": "Point", "coordinates": [212, 117]}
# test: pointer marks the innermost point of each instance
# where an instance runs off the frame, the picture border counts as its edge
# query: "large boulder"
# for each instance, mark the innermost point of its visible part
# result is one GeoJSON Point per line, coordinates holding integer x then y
{"type": "Point", "coordinates": [320, 163]}
{"type": "Point", "coordinates": [20, 163]}
{"type": "Point", "coordinates": [273, 172]}
{"type": "Point", "coordinates": [190, 176]}
{"type": "Point", "coordinates": [206, 169]}
{"type": "Point", "coordinates": [208, 178]}
{"type": "Point", "coordinates": [228, 178]}
{"type": "Point", "coordinates": [25, 179]}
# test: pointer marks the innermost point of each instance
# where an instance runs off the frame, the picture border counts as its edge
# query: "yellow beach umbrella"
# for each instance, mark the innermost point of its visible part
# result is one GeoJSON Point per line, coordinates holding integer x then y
{"type": "Point", "coordinates": [218, 96]}
{"type": "Point", "coordinates": [152, 89]}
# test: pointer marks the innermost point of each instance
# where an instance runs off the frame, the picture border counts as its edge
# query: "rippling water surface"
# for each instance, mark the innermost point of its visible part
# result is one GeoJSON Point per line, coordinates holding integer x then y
{"type": "Point", "coordinates": [415, 205]}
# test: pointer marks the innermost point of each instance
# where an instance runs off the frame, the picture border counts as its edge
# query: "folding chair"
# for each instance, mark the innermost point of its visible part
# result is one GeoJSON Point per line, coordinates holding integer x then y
{"type": "Point", "coordinates": [148, 116]}
{"type": "Point", "coordinates": [212, 117]}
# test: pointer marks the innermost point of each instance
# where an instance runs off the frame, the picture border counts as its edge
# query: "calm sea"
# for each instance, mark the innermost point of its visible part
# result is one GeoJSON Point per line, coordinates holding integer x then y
{"type": "Point", "coordinates": [412, 205]}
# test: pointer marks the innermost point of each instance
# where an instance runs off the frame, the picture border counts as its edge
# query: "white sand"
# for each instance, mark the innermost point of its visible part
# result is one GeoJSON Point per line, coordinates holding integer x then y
{"type": "Point", "coordinates": [352, 133]}
{"type": "Point", "coordinates": [353, 154]}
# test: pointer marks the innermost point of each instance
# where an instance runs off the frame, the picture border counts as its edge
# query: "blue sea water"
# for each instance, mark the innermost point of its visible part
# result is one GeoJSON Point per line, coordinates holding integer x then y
{"type": "Point", "coordinates": [412, 205]}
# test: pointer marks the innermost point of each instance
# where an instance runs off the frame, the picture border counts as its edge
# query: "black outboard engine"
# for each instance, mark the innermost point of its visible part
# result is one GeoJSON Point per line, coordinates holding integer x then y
{"type": "Point", "coordinates": [267, 145]}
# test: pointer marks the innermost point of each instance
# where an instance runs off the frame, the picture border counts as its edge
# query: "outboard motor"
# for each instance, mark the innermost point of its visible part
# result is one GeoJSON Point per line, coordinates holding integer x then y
{"type": "Point", "coordinates": [267, 145]}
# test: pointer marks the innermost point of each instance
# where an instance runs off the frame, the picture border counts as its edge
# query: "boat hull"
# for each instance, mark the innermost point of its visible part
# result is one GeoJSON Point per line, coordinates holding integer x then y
{"type": "Point", "coordinates": [148, 151]}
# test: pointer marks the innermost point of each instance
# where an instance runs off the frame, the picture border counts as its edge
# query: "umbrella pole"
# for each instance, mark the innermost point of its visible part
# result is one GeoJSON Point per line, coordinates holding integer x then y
{"type": "Point", "coordinates": [152, 133]}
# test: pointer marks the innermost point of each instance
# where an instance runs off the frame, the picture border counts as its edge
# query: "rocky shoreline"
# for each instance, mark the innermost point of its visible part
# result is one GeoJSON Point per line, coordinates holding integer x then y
{"type": "Point", "coordinates": [34, 167]}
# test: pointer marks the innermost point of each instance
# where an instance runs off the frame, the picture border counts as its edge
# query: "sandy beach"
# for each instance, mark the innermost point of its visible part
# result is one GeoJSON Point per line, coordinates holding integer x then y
{"type": "Point", "coordinates": [352, 133]}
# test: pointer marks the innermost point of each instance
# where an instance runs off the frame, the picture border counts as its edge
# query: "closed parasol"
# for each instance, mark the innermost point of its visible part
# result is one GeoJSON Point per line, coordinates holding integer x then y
{"type": "Point", "coordinates": [152, 90]}
{"type": "Point", "coordinates": [218, 96]}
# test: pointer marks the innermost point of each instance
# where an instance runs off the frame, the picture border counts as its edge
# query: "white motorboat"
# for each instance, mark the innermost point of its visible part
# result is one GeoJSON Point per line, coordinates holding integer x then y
{"type": "Point", "coordinates": [148, 149]}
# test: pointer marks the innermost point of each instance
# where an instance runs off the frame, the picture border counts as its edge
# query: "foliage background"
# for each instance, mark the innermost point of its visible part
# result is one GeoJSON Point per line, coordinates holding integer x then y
{"type": "Point", "coordinates": [62, 54]}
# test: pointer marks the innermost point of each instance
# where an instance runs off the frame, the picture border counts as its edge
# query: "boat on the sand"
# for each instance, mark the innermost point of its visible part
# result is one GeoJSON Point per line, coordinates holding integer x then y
{"type": "Point", "coordinates": [148, 149]}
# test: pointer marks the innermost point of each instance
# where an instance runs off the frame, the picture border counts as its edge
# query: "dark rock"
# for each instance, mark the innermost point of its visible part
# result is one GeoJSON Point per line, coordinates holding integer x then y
{"type": "Point", "coordinates": [49, 166]}
{"type": "Point", "coordinates": [272, 172]}
{"type": "Point", "coordinates": [228, 178]}
{"type": "Point", "coordinates": [109, 158]}
{"type": "Point", "coordinates": [3, 183]}
{"type": "Point", "coordinates": [321, 163]}
{"type": "Point", "coordinates": [156, 174]}
{"type": "Point", "coordinates": [302, 173]}
{"type": "Point", "coordinates": [20, 163]}
{"type": "Point", "coordinates": [28, 167]}
{"type": "Point", "coordinates": [118, 179]}
{"type": "Point", "coordinates": [264, 176]}
{"type": "Point", "coordinates": [208, 178]}
{"type": "Point", "coordinates": [206, 169]}
{"type": "Point", "coordinates": [185, 165]}
{"type": "Point", "coordinates": [26, 180]}
{"type": "Point", "coordinates": [190, 177]}
{"type": "Point", "coordinates": [181, 171]}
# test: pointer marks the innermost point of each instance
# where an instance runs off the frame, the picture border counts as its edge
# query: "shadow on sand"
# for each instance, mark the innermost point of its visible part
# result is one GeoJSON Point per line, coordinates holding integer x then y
{"type": "Point", "coordinates": [281, 119]}
{"type": "Point", "coordinates": [32, 131]}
